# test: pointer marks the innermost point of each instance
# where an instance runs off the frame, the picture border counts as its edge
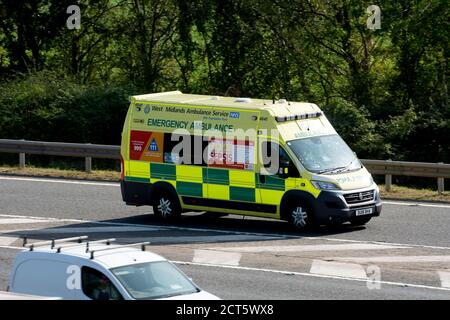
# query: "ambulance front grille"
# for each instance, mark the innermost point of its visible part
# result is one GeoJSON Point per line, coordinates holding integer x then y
{"type": "Point", "coordinates": [359, 197]}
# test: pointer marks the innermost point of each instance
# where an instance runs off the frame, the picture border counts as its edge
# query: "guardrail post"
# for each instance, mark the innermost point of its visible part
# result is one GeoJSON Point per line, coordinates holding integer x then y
{"type": "Point", "coordinates": [388, 181]}
{"type": "Point", "coordinates": [21, 160]}
{"type": "Point", "coordinates": [440, 183]}
{"type": "Point", "coordinates": [88, 164]}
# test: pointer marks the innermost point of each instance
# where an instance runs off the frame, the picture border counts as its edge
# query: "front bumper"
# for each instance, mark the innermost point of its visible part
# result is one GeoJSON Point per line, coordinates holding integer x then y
{"type": "Point", "coordinates": [331, 207]}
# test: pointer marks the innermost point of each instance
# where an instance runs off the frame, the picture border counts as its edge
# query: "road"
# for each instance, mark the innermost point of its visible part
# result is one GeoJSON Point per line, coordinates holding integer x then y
{"type": "Point", "coordinates": [403, 254]}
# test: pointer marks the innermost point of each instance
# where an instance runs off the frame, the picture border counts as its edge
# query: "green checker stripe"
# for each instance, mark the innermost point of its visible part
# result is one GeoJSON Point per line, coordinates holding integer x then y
{"type": "Point", "coordinates": [163, 171]}
{"type": "Point", "coordinates": [189, 189]}
{"type": "Point", "coordinates": [217, 176]}
{"type": "Point", "coordinates": [271, 183]}
{"type": "Point", "coordinates": [136, 179]}
{"type": "Point", "coordinates": [242, 194]}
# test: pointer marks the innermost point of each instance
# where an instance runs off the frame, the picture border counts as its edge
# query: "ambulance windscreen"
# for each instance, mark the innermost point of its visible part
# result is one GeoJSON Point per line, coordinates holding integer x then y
{"type": "Point", "coordinates": [325, 154]}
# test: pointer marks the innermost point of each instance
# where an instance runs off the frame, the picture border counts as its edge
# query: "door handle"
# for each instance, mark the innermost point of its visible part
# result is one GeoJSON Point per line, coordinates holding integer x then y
{"type": "Point", "coordinates": [262, 178]}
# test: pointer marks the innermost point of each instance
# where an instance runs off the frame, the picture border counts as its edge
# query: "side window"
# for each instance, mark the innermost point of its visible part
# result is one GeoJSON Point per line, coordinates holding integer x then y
{"type": "Point", "coordinates": [97, 286]}
{"type": "Point", "coordinates": [287, 163]}
{"type": "Point", "coordinates": [277, 161]}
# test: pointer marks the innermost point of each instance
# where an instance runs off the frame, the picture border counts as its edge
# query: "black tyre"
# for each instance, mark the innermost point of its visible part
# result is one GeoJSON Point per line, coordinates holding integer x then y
{"type": "Point", "coordinates": [300, 216]}
{"type": "Point", "coordinates": [166, 205]}
{"type": "Point", "coordinates": [360, 221]}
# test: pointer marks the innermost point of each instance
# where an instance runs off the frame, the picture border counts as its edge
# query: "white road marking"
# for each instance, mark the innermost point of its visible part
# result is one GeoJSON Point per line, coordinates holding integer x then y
{"type": "Point", "coordinates": [304, 274]}
{"type": "Point", "coordinates": [51, 219]}
{"type": "Point", "coordinates": [203, 239]}
{"type": "Point", "coordinates": [416, 204]}
{"type": "Point", "coordinates": [338, 269]}
{"type": "Point", "coordinates": [116, 184]}
{"type": "Point", "coordinates": [216, 257]}
{"type": "Point", "coordinates": [400, 284]}
{"type": "Point", "coordinates": [394, 259]}
{"type": "Point", "coordinates": [92, 183]}
{"type": "Point", "coordinates": [11, 247]}
{"type": "Point", "coordinates": [309, 247]}
{"type": "Point", "coordinates": [22, 220]}
{"type": "Point", "coordinates": [86, 230]}
{"type": "Point", "coordinates": [7, 241]}
{"type": "Point", "coordinates": [445, 278]}
{"type": "Point", "coordinates": [262, 235]}
{"type": "Point", "coordinates": [382, 242]}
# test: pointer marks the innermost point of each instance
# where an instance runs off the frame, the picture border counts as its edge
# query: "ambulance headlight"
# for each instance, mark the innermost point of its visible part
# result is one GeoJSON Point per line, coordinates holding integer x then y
{"type": "Point", "coordinates": [322, 185]}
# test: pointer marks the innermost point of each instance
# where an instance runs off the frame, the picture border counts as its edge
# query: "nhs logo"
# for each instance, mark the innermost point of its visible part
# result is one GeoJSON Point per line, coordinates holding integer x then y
{"type": "Point", "coordinates": [234, 115]}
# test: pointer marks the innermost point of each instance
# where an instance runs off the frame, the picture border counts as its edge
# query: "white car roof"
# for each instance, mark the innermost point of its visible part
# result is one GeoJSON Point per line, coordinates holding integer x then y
{"type": "Point", "coordinates": [114, 256]}
{"type": "Point", "coordinates": [4, 295]}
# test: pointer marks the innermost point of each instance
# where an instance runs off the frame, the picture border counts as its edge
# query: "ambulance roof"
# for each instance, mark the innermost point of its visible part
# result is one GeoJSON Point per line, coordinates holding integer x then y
{"type": "Point", "coordinates": [279, 108]}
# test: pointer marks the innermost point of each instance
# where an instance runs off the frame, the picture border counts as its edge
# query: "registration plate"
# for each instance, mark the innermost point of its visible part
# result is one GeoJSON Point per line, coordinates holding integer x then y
{"type": "Point", "coordinates": [363, 212]}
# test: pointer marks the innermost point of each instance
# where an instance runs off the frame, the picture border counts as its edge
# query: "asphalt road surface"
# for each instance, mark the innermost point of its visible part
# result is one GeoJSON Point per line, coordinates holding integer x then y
{"type": "Point", "coordinates": [403, 254]}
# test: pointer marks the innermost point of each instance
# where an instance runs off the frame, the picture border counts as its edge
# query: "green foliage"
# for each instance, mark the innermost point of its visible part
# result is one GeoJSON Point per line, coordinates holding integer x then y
{"type": "Point", "coordinates": [44, 106]}
{"type": "Point", "coordinates": [359, 132]}
{"type": "Point", "coordinates": [386, 91]}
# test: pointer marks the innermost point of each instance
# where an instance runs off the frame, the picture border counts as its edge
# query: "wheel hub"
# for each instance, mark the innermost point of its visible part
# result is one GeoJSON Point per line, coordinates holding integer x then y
{"type": "Point", "coordinates": [164, 207]}
{"type": "Point", "coordinates": [299, 217]}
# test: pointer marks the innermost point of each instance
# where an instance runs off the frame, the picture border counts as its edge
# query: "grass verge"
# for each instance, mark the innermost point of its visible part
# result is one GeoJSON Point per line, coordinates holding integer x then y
{"type": "Point", "coordinates": [106, 175]}
{"type": "Point", "coordinates": [397, 192]}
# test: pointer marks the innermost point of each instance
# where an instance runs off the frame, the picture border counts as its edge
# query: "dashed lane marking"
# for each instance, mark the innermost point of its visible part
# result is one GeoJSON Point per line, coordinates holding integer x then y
{"type": "Point", "coordinates": [445, 278]}
{"type": "Point", "coordinates": [216, 257]}
{"type": "Point", "coordinates": [305, 274]}
{"type": "Point", "coordinates": [319, 247]}
{"type": "Point", "coordinates": [7, 241]}
{"type": "Point", "coordinates": [338, 269]}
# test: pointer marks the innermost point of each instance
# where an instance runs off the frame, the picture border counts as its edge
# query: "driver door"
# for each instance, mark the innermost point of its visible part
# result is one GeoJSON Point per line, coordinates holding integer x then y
{"type": "Point", "coordinates": [277, 172]}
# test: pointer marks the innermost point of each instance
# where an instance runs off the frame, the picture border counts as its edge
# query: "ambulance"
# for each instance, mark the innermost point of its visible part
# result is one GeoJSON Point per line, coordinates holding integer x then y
{"type": "Point", "coordinates": [266, 158]}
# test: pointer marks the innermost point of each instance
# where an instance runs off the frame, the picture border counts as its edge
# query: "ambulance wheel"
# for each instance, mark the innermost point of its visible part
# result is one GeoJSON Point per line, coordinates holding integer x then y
{"type": "Point", "coordinates": [300, 216]}
{"type": "Point", "coordinates": [166, 205]}
{"type": "Point", "coordinates": [360, 221]}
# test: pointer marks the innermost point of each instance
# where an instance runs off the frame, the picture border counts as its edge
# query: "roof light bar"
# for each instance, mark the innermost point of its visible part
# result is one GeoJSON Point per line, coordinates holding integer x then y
{"type": "Point", "coordinates": [298, 116]}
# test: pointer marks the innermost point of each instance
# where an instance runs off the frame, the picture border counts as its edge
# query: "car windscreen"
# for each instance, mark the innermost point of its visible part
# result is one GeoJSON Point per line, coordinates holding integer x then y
{"type": "Point", "coordinates": [154, 280]}
{"type": "Point", "coordinates": [324, 154]}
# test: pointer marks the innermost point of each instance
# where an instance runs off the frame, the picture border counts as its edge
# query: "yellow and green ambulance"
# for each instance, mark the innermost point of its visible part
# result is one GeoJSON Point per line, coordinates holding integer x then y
{"type": "Point", "coordinates": [265, 158]}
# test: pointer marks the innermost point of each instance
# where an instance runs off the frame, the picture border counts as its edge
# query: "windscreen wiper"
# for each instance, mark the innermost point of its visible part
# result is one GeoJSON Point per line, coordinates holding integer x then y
{"type": "Point", "coordinates": [330, 170]}
{"type": "Point", "coordinates": [348, 165]}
